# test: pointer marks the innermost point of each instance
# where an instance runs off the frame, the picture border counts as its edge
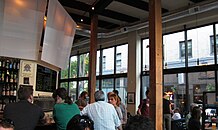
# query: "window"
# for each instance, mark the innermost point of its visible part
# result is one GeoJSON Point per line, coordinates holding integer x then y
{"type": "Point", "coordinates": [182, 49]}
{"type": "Point", "coordinates": [84, 65]}
{"type": "Point", "coordinates": [172, 50]}
{"type": "Point", "coordinates": [121, 86]}
{"type": "Point", "coordinates": [72, 90]}
{"type": "Point", "coordinates": [201, 52]}
{"type": "Point", "coordinates": [104, 63]}
{"type": "Point", "coordinates": [145, 51]}
{"type": "Point", "coordinates": [108, 61]}
{"type": "Point", "coordinates": [73, 67]}
{"type": "Point", "coordinates": [121, 58]}
{"type": "Point", "coordinates": [118, 62]}
{"type": "Point", "coordinates": [212, 44]}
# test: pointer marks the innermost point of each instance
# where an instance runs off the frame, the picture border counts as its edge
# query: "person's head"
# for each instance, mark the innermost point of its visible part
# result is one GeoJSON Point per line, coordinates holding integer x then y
{"type": "Point", "coordinates": [139, 122]}
{"type": "Point", "coordinates": [25, 93]}
{"type": "Point", "coordinates": [196, 113]}
{"type": "Point", "coordinates": [99, 95]}
{"type": "Point", "coordinates": [116, 92]}
{"type": "Point", "coordinates": [84, 95]}
{"type": "Point", "coordinates": [176, 110]}
{"type": "Point", "coordinates": [79, 122]}
{"type": "Point", "coordinates": [192, 105]}
{"type": "Point", "coordinates": [60, 96]}
{"type": "Point", "coordinates": [81, 103]}
{"type": "Point", "coordinates": [6, 124]}
{"type": "Point", "coordinates": [113, 99]}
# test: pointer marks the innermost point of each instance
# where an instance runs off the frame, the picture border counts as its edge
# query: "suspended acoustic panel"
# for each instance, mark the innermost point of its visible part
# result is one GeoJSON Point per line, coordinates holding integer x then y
{"type": "Point", "coordinates": [21, 24]}
{"type": "Point", "coordinates": [59, 34]}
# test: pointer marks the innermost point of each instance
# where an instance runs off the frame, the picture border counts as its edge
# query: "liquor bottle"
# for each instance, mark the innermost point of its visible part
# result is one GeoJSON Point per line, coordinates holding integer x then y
{"type": "Point", "coordinates": [18, 65]}
{"type": "Point", "coordinates": [7, 64]}
{"type": "Point", "coordinates": [11, 77]}
{"type": "Point", "coordinates": [0, 63]}
{"type": "Point", "coordinates": [7, 93]}
{"type": "Point", "coordinates": [15, 90]}
{"type": "Point", "coordinates": [3, 63]}
{"type": "Point", "coordinates": [3, 90]}
{"type": "Point", "coordinates": [10, 64]}
{"type": "Point", "coordinates": [3, 76]}
{"type": "Point", "coordinates": [11, 93]}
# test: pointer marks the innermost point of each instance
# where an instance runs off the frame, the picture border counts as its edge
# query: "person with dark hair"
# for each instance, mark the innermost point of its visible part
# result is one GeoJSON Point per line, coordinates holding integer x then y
{"type": "Point", "coordinates": [6, 124]}
{"type": "Point", "coordinates": [79, 122]}
{"type": "Point", "coordinates": [102, 113]}
{"type": "Point", "coordinates": [143, 108]}
{"type": "Point", "coordinates": [24, 113]}
{"type": "Point", "coordinates": [194, 121]}
{"type": "Point", "coordinates": [84, 96]}
{"type": "Point", "coordinates": [166, 112]}
{"type": "Point", "coordinates": [64, 109]}
{"type": "Point", "coordinates": [139, 122]}
{"type": "Point", "coordinates": [81, 103]}
{"type": "Point", "coordinates": [122, 107]}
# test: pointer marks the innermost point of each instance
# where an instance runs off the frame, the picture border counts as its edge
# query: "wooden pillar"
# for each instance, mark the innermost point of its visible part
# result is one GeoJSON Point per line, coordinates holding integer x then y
{"type": "Point", "coordinates": [92, 57]}
{"type": "Point", "coordinates": [156, 67]}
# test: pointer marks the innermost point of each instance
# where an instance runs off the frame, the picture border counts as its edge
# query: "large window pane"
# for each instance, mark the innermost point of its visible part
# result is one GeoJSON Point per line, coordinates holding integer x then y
{"type": "Point", "coordinates": [172, 51]}
{"type": "Point", "coordinates": [201, 46]}
{"type": "Point", "coordinates": [174, 86]}
{"type": "Point", "coordinates": [84, 65]}
{"type": "Point", "coordinates": [98, 63]}
{"type": "Point", "coordinates": [200, 82]}
{"type": "Point", "coordinates": [72, 90]}
{"type": "Point", "coordinates": [83, 86]}
{"type": "Point", "coordinates": [64, 73]}
{"type": "Point", "coordinates": [73, 67]}
{"type": "Point", "coordinates": [108, 61]}
{"type": "Point", "coordinates": [107, 86]}
{"type": "Point", "coordinates": [145, 57]}
{"type": "Point", "coordinates": [121, 86]}
{"type": "Point", "coordinates": [145, 85]}
{"type": "Point", "coordinates": [121, 58]}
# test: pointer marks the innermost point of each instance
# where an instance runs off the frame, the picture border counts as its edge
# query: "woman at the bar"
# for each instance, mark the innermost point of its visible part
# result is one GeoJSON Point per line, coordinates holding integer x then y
{"type": "Point", "coordinates": [64, 109]}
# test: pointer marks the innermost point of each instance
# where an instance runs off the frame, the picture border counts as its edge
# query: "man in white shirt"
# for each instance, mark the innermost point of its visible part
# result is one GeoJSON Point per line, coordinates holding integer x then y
{"type": "Point", "coordinates": [102, 113]}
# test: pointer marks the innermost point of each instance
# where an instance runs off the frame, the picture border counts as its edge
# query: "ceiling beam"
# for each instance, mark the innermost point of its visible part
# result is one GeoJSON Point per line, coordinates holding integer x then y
{"type": "Point", "coordinates": [101, 5]}
{"type": "Point", "coordinates": [139, 4]}
{"type": "Point", "coordinates": [86, 20]}
{"type": "Point", "coordinates": [101, 11]}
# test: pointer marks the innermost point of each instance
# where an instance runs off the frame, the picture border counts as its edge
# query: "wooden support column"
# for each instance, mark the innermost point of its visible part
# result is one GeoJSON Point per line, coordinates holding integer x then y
{"type": "Point", "coordinates": [92, 56]}
{"type": "Point", "coordinates": [156, 67]}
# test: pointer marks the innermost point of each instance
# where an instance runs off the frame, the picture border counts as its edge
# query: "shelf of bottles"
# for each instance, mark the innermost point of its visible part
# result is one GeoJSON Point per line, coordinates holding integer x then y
{"type": "Point", "coordinates": [9, 70]}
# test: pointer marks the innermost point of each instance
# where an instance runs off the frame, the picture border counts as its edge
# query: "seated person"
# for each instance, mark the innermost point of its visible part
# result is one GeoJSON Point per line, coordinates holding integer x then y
{"type": "Point", "coordinates": [194, 121]}
{"type": "Point", "coordinates": [64, 109]}
{"type": "Point", "coordinates": [24, 113]}
{"type": "Point", "coordinates": [139, 122]}
{"type": "Point", "coordinates": [79, 122]}
{"type": "Point", "coordinates": [176, 115]}
{"type": "Point", "coordinates": [81, 103]}
{"type": "Point", "coordinates": [6, 124]}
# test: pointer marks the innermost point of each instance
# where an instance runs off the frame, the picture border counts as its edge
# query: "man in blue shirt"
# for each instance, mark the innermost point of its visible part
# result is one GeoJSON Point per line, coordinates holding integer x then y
{"type": "Point", "coordinates": [102, 113]}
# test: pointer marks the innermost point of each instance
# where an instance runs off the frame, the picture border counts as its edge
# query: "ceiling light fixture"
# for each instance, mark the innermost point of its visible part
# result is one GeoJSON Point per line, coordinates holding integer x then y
{"type": "Point", "coordinates": [93, 8]}
{"type": "Point", "coordinates": [81, 20]}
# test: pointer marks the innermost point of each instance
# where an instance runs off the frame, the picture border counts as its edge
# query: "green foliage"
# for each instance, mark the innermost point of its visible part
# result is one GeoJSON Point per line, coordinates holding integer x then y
{"type": "Point", "coordinates": [210, 87]}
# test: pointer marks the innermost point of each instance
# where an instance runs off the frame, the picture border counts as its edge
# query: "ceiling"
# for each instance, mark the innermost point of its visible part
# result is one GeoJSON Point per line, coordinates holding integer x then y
{"type": "Point", "coordinates": [117, 14]}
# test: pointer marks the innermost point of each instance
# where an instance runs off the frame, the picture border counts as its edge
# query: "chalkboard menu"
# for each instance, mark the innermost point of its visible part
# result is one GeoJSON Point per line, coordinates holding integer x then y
{"type": "Point", "coordinates": [45, 79]}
